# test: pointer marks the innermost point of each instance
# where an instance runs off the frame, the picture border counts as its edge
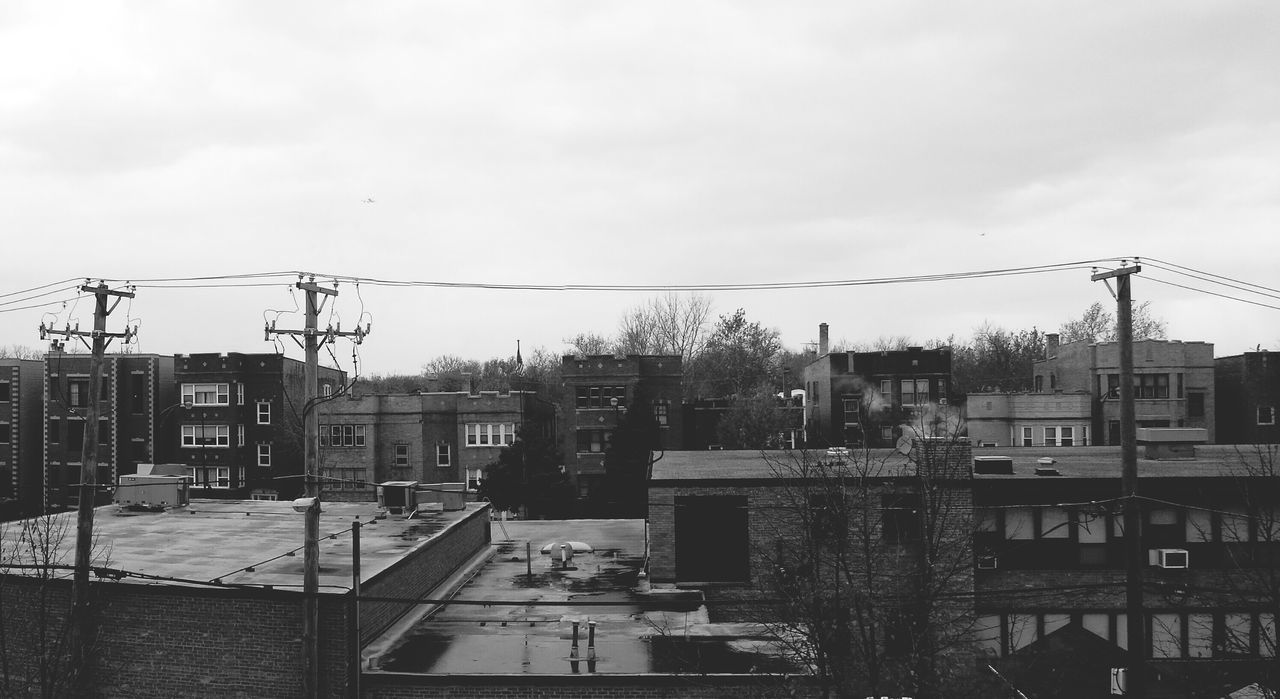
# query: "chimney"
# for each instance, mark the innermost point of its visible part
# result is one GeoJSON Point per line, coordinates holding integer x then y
{"type": "Point", "coordinates": [1050, 345]}
{"type": "Point", "coordinates": [823, 339]}
{"type": "Point", "coordinates": [940, 458]}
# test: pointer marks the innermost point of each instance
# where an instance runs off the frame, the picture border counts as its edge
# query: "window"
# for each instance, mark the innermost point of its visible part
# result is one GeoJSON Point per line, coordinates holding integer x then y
{"type": "Point", "coordinates": [55, 430]}
{"type": "Point", "coordinates": [886, 390]}
{"type": "Point", "coordinates": [104, 431]}
{"type": "Point", "coordinates": [600, 396]}
{"type": "Point", "coordinates": [213, 476]}
{"type": "Point", "coordinates": [593, 441]}
{"type": "Point", "coordinates": [1027, 439]}
{"type": "Point", "coordinates": [886, 433]}
{"type": "Point", "coordinates": [1151, 386]}
{"type": "Point", "coordinates": [1166, 635]}
{"type": "Point", "coordinates": [491, 434]}
{"type": "Point", "coordinates": [402, 455]}
{"type": "Point", "coordinates": [660, 416]}
{"type": "Point", "coordinates": [1266, 415]}
{"type": "Point", "coordinates": [239, 435]}
{"type": "Point", "coordinates": [269, 497]}
{"type": "Point", "coordinates": [326, 389]}
{"type": "Point", "coordinates": [239, 394]}
{"type": "Point", "coordinates": [922, 391]}
{"type": "Point", "coordinates": [4, 433]}
{"type": "Point", "coordinates": [1179, 386]}
{"type": "Point", "coordinates": [264, 413]}
{"type": "Point", "coordinates": [908, 392]}
{"type": "Point", "coordinates": [1019, 523]}
{"type": "Point", "coordinates": [1113, 385]}
{"type": "Point", "coordinates": [1039, 383]}
{"type": "Point", "coordinates": [1068, 437]}
{"type": "Point", "coordinates": [1054, 523]}
{"type": "Point", "coordinates": [343, 435]}
{"type": "Point", "coordinates": [206, 393]}
{"type": "Point", "coordinates": [442, 456]}
{"type": "Point", "coordinates": [850, 410]}
{"type": "Point", "coordinates": [78, 393]}
{"type": "Point", "coordinates": [206, 435]}
{"type": "Point", "coordinates": [1195, 404]}
{"type": "Point", "coordinates": [1051, 436]}
{"type": "Point", "coordinates": [474, 476]}
{"type": "Point", "coordinates": [264, 454]}
{"type": "Point", "coordinates": [5, 394]}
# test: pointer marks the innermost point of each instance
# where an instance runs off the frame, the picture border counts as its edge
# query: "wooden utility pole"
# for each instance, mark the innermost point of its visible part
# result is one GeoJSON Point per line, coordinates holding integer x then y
{"type": "Point", "coordinates": [1135, 618]}
{"type": "Point", "coordinates": [312, 338]}
{"type": "Point", "coordinates": [81, 608]}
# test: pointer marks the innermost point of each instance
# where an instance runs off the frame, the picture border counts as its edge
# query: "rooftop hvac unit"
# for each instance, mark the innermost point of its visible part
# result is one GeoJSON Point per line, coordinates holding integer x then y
{"type": "Point", "coordinates": [988, 562]}
{"type": "Point", "coordinates": [1169, 558]}
{"type": "Point", "coordinates": [398, 497]}
{"type": "Point", "coordinates": [148, 492]}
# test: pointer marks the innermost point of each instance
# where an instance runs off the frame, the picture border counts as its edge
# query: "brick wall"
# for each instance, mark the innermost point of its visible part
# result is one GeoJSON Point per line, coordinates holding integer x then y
{"type": "Point", "coordinates": [173, 640]}
{"type": "Point", "coordinates": [416, 575]}
{"type": "Point", "coordinates": [167, 641]}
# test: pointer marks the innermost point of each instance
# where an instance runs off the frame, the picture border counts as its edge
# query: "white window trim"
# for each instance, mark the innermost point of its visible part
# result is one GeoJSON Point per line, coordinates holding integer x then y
{"type": "Point", "coordinates": [221, 436]}
{"type": "Point", "coordinates": [264, 455]}
{"type": "Point", "coordinates": [216, 475]}
{"type": "Point", "coordinates": [264, 412]}
{"type": "Point", "coordinates": [396, 458]}
{"type": "Point", "coordinates": [221, 393]}
{"type": "Point", "coordinates": [239, 394]}
{"type": "Point", "coordinates": [239, 435]}
{"type": "Point", "coordinates": [1270, 409]}
{"type": "Point", "coordinates": [445, 451]}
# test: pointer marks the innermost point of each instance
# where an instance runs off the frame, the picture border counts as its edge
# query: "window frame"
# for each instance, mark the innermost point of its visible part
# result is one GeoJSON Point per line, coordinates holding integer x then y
{"type": "Point", "coordinates": [198, 394]}
{"type": "Point", "coordinates": [264, 412]}
{"type": "Point", "coordinates": [1270, 415]}
{"type": "Point", "coordinates": [191, 440]}
{"type": "Point", "coordinates": [264, 455]}
{"type": "Point", "coordinates": [444, 455]}
{"type": "Point", "coordinates": [400, 455]}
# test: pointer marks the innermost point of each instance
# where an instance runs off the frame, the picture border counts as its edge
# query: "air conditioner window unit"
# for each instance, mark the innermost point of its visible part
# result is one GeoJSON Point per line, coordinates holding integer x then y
{"type": "Point", "coordinates": [1169, 558]}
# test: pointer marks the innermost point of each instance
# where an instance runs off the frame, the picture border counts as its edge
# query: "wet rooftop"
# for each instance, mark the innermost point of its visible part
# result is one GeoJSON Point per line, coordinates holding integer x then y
{"type": "Point", "coordinates": [245, 541]}
{"type": "Point", "coordinates": [515, 614]}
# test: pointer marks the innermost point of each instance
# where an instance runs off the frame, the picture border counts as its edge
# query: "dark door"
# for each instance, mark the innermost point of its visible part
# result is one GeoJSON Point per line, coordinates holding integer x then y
{"type": "Point", "coordinates": [711, 538]}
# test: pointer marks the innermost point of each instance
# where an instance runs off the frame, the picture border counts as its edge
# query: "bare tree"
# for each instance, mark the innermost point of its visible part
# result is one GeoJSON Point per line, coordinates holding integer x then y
{"type": "Point", "coordinates": [872, 566]}
{"type": "Point", "coordinates": [589, 343]}
{"type": "Point", "coordinates": [36, 651]}
{"type": "Point", "coordinates": [668, 324]}
{"type": "Point", "coordinates": [16, 351]}
{"type": "Point", "coordinates": [1097, 324]}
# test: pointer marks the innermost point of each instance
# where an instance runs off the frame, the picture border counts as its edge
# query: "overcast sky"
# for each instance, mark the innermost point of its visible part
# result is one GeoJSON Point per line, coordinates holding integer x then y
{"type": "Point", "coordinates": [637, 143]}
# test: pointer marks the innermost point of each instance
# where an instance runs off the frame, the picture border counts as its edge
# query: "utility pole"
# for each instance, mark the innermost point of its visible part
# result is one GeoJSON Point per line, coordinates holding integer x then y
{"type": "Point", "coordinates": [312, 338]}
{"type": "Point", "coordinates": [1134, 617]}
{"type": "Point", "coordinates": [81, 609]}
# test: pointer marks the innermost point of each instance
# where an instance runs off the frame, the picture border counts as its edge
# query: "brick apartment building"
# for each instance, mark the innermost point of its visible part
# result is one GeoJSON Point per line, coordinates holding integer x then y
{"type": "Point", "coordinates": [136, 391]}
{"type": "Point", "coordinates": [1056, 418]}
{"type": "Point", "coordinates": [1248, 393]}
{"type": "Point", "coordinates": [600, 390]}
{"type": "Point", "coordinates": [21, 437]}
{"type": "Point", "coordinates": [1046, 543]}
{"type": "Point", "coordinates": [427, 437]}
{"type": "Point", "coordinates": [1173, 382]}
{"type": "Point", "coordinates": [235, 422]}
{"type": "Point", "coordinates": [873, 398]}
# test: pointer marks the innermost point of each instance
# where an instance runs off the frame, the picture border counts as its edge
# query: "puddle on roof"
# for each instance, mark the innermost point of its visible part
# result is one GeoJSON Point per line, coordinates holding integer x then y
{"type": "Point", "coordinates": [537, 639]}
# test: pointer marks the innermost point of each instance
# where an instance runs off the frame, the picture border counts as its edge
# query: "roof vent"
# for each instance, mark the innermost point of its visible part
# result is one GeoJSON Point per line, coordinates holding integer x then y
{"type": "Point", "coordinates": [1047, 471]}
{"type": "Point", "coordinates": [993, 465]}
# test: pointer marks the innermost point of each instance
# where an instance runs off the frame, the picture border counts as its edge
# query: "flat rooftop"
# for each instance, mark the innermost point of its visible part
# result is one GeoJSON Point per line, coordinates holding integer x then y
{"type": "Point", "coordinates": [514, 614]}
{"type": "Point", "coordinates": [244, 542]}
{"type": "Point", "coordinates": [1211, 460]}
